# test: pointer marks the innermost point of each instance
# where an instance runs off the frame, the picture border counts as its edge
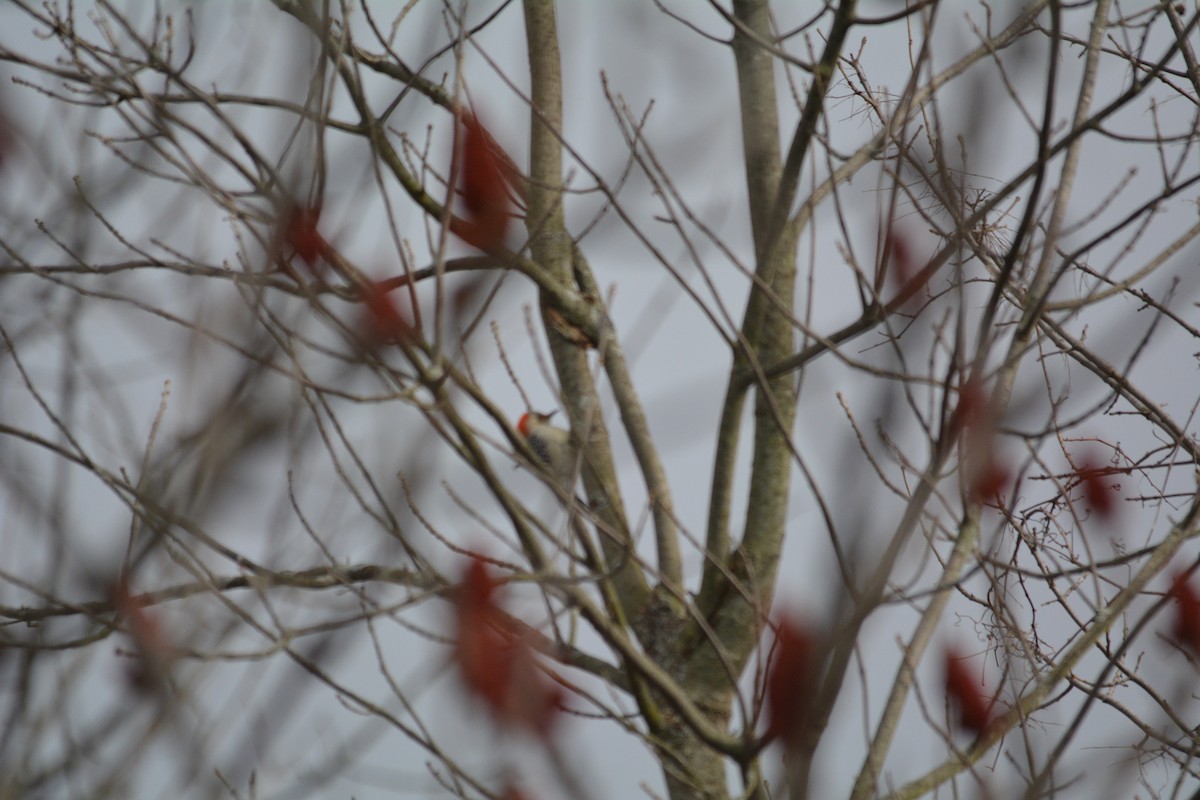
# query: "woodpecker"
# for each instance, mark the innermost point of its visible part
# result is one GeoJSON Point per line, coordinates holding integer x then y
{"type": "Point", "coordinates": [552, 445]}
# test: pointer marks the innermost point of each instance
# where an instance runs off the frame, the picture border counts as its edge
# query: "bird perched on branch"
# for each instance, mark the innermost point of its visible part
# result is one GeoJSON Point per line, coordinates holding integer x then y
{"type": "Point", "coordinates": [552, 445]}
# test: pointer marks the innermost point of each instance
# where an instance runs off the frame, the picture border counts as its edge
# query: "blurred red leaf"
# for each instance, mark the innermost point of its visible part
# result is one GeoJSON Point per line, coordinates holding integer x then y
{"type": "Point", "coordinates": [466, 294]}
{"type": "Point", "coordinates": [299, 235]}
{"type": "Point", "coordinates": [481, 652]}
{"type": "Point", "coordinates": [900, 256]}
{"type": "Point", "coordinates": [496, 666]}
{"type": "Point", "coordinates": [967, 695]}
{"type": "Point", "coordinates": [483, 189]}
{"type": "Point", "coordinates": [989, 480]}
{"type": "Point", "coordinates": [984, 474]}
{"type": "Point", "coordinates": [385, 321]}
{"type": "Point", "coordinates": [1099, 493]}
{"type": "Point", "coordinates": [792, 679]}
{"type": "Point", "coordinates": [153, 649]}
{"type": "Point", "coordinates": [973, 411]}
{"type": "Point", "coordinates": [1186, 630]}
{"type": "Point", "coordinates": [533, 701]}
{"type": "Point", "coordinates": [902, 266]}
{"type": "Point", "coordinates": [7, 139]}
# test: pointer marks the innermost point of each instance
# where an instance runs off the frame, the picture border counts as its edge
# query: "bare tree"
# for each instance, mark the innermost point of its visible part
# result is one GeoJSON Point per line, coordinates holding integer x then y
{"type": "Point", "coordinates": [880, 472]}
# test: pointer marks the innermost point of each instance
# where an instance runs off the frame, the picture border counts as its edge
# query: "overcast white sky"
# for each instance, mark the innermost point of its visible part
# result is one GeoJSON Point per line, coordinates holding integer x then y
{"type": "Point", "coordinates": [643, 58]}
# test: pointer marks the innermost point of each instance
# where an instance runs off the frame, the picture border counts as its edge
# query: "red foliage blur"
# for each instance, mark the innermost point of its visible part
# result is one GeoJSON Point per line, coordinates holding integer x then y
{"type": "Point", "coordinates": [973, 410]}
{"type": "Point", "coordinates": [483, 189]}
{"type": "Point", "coordinates": [967, 695]}
{"type": "Point", "coordinates": [1099, 493]}
{"type": "Point", "coordinates": [496, 666]}
{"type": "Point", "coordinates": [7, 139]}
{"type": "Point", "coordinates": [792, 681]}
{"type": "Point", "coordinates": [990, 480]}
{"type": "Point", "coordinates": [1187, 613]}
{"type": "Point", "coordinates": [386, 322]}
{"type": "Point", "coordinates": [900, 257]}
{"type": "Point", "coordinates": [984, 475]}
{"type": "Point", "coordinates": [906, 272]}
{"type": "Point", "coordinates": [298, 233]}
{"type": "Point", "coordinates": [154, 651]}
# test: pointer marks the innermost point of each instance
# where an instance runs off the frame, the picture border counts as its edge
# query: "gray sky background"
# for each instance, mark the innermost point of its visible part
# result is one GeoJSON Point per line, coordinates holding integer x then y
{"type": "Point", "coordinates": [266, 713]}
